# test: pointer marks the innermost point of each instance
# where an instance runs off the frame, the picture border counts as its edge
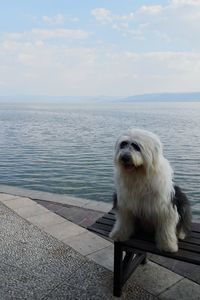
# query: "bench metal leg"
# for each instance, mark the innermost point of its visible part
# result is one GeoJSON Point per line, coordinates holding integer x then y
{"type": "Point", "coordinates": [118, 268]}
{"type": "Point", "coordinates": [124, 267]}
{"type": "Point", "coordinates": [145, 260]}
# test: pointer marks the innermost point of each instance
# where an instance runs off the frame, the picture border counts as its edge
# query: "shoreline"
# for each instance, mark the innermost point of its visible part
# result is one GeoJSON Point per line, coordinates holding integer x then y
{"type": "Point", "coordinates": [72, 200]}
{"type": "Point", "coordinates": [56, 198]}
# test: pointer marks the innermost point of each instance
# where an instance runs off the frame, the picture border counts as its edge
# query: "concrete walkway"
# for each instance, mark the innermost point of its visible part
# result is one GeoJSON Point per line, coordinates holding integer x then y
{"type": "Point", "coordinates": [46, 256]}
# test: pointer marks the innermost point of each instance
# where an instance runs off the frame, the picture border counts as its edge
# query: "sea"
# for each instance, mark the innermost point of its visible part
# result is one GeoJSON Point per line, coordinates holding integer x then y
{"type": "Point", "coordinates": [67, 148]}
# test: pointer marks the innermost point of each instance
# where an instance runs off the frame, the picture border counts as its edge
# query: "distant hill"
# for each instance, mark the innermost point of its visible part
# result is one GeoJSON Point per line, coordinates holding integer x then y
{"type": "Point", "coordinates": [159, 97]}
{"type": "Point", "coordinates": [165, 97]}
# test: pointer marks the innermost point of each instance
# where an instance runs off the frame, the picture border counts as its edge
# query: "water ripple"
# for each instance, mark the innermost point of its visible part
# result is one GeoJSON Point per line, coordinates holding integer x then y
{"type": "Point", "coordinates": [70, 151]}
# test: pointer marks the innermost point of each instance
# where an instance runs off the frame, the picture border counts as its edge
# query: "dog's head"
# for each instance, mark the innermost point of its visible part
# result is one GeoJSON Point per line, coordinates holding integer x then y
{"type": "Point", "coordinates": [137, 150]}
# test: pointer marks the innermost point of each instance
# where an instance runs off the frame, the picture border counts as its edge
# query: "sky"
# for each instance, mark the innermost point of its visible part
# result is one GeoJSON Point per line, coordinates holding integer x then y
{"type": "Point", "coordinates": [95, 48]}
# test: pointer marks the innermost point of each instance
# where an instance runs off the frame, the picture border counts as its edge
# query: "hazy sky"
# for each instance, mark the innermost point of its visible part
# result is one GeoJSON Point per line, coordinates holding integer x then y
{"type": "Point", "coordinates": [107, 47]}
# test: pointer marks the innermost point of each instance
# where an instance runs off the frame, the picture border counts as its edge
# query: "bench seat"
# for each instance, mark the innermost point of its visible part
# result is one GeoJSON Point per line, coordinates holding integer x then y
{"type": "Point", "coordinates": [135, 249]}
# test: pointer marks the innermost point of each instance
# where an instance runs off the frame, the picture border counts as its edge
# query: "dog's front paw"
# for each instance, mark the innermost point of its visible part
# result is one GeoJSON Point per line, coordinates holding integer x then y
{"type": "Point", "coordinates": [118, 236]}
{"type": "Point", "coordinates": [168, 246]}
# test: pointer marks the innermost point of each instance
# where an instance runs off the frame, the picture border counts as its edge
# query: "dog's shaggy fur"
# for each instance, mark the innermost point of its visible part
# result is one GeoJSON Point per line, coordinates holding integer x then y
{"type": "Point", "coordinates": [145, 193]}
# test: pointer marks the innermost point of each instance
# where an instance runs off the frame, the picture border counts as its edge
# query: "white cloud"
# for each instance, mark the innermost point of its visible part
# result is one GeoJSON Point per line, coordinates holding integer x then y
{"type": "Point", "coordinates": [42, 34]}
{"type": "Point", "coordinates": [104, 16]}
{"type": "Point", "coordinates": [58, 19]}
{"type": "Point", "coordinates": [61, 61]}
{"type": "Point", "coordinates": [59, 33]}
{"type": "Point", "coordinates": [185, 2]}
{"type": "Point", "coordinates": [122, 23]}
{"type": "Point", "coordinates": [176, 21]}
{"type": "Point", "coordinates": [151, 9]}
{"type": "Point", "coordinates": [37, 67]}
{"type": "Point", "coordinates": [131, 55]}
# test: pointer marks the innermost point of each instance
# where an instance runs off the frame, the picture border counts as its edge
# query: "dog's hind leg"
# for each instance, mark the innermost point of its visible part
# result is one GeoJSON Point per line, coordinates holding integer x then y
{"type": "Point", "coordinates": [123, 227]}
{"type": "Point", "coordinates": [166, 237]}
{"type": "Point", "coordinates": [184, 210]}
{"type": "Point", "coordinates": [181, 234]}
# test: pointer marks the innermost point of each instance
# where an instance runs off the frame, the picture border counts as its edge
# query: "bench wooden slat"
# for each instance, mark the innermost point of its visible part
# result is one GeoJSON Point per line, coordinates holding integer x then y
{"type": "Point", "coordinates": [109, 216]}
{"type": "Point", "coordinates": [107, 225]}
{"type": "Point", "coordinates": [182, 244]}
{"type": "Point", "coordinates": [135, 249]}
{"type": "Point", "coordinates": [195, 234]}
{"type": "Point", "coordinates": [191, 244]}
{"type": "Point", "coordinates": [106, 221]}
{"type": "Point", "coordinates": [109, 219]}
{"type": "Point", "coordinates": [189, 249]}
{"type": "Point", "coordinates": [191, 240]}
{"type": "Point", "coordinates": [104, 227]}
{"type": "Point", "coordinates": [196, 227]}
{"type": "Point", "coordinates": [182, 254]}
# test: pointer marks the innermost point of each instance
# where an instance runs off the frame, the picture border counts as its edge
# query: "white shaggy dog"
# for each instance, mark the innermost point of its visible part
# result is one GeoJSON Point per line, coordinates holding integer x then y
{"type": "Point", "coordinates": [145, 193]}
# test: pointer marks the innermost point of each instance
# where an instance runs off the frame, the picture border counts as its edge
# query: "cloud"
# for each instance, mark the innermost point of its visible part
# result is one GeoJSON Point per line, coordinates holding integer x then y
{"type": "Point", "coordinates": [43, 34]}
{"type": "Point", "coordinates": [178, 21]}
{"type": "Point", "coordinates": [104, 16]}
{"type": "Point", "coordinates": [59, 33]}
{"type": "Point", "coordinates": [37, 67]}
{"type": "Point", "coordinates": [185, 2]}
{"type": "Point", "coordinates": [151, 9]}
{"type": "Point", "coordinates": [58, 19]}
{"type": "Point", "coordinates": [126, 24]}
{"type": "Point", "coordinates": [56, 60]}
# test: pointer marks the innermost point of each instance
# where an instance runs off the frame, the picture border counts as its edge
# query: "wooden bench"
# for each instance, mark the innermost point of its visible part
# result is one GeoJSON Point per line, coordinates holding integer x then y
{"type": "Point", "coordinates": [129, 254]}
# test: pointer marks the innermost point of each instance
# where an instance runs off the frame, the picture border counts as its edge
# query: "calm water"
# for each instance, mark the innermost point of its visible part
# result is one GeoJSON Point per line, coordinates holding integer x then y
{"type": "Point", "coordinates": [68, 149]}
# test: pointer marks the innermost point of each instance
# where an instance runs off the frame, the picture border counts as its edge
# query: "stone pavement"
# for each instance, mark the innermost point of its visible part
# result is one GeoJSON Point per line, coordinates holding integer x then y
{"type": "Point", "coordinates": [45, 256]}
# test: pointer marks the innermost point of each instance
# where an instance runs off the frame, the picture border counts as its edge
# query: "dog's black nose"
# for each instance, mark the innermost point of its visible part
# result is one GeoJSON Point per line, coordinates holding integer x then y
{"type": "Point", "coordinates": [126, 158]}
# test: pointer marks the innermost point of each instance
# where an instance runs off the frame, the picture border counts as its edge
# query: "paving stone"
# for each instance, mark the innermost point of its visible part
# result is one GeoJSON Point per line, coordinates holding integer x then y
{"type": "Point", "coordinates": [5, 197]}
{"type": "Point", "coordinates": [18, 284]}
{"type": "Point", "coordinates": [77, 215]}
{"type": "Point", "coordinates": [45, 220]}
{"type": "Point", "coordinates": [18, 191]}
{"type": "Point", "coordinates": [25, 250]}
{"type": "Point", "coordinates": [87, 243]}
{"type": "Point", "coordinates": [154, 278]}
{"type": "Point", "coordinates": [65, 199]}
{"type": "Point", "coordinates": [34, 264]}
{"type": "Point", "coordinates": [66, 291]}
{"type": "Point", "coordinates": [98, 283]}
{"type": "Point", "coordinates": [64, 230]}
{"type": "Point", "coordinates": [29, 211]}
{"type": "Point", "coordinates": [99, 206]}
{"type": "Point", "coordinates": [19, 202]}
{"type": "Point", "coordinates": [58, 198]}
{"type": "Point", "coordinates": [184, 269]}
{"type": "Point", "coordinates": [183, 290]}
{"type": "Point", "coordinates": [53, 206]}
{"type": "Point", "coordinates": [24, 245]}
{"type": "Point", "coordinates": [74, 201]}
{"type": "Point", "coordinates": [91, 217]}
{"type": "Point", "coordinates": [104, 257]}
{"type": "Point", "coordinates": [59, 265]}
